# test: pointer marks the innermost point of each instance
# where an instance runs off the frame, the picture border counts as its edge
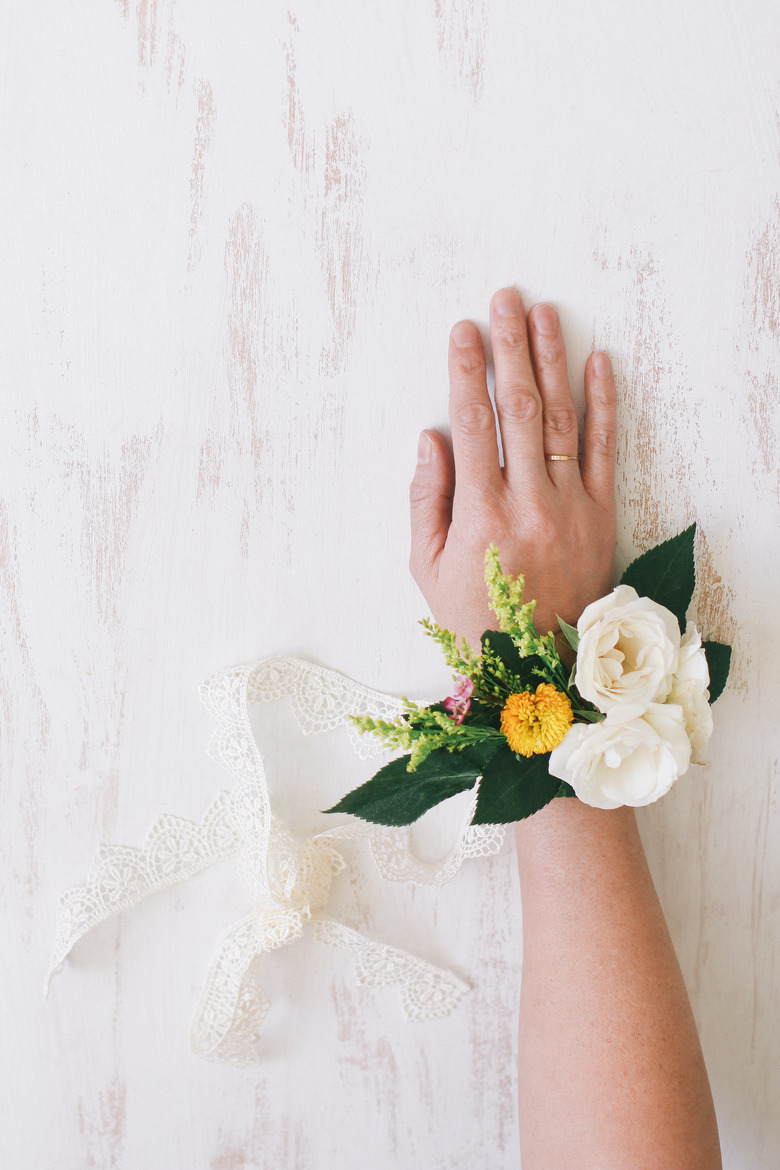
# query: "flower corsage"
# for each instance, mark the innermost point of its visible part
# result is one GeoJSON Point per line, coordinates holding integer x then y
{"type": "Point", "coordinates": [618, 728]}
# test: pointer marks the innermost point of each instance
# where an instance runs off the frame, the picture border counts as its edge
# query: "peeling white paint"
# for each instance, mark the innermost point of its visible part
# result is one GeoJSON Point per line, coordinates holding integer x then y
{"type": "Point", "coordinates": [235, 239]}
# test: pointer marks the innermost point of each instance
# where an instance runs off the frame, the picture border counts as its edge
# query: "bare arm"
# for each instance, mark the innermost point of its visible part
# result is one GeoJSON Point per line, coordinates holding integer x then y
{"type": "Point", "coordinates": [611, 1072]}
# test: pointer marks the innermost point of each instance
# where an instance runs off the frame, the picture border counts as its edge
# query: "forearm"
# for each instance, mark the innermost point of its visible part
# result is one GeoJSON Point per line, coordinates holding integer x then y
{"type": "Point", "coordinates": [611, 1073]}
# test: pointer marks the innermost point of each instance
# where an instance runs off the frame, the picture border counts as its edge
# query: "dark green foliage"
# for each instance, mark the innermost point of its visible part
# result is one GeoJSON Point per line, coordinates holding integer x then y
{"type": "Point", "coordinates": [565, 790]}
{"type": "Point", "coordinates": [719, 662]}
{"type": "Point", "coordinates": [666, 573]}
{"type": "Point", "coordinates": [569, 633]}
{"type": "Point", "coordinates": [395, 796]}
{"type": "Point", "coordinates": [523, 669]}
{"type": "Point", "coordinates": [513, 787]}
{"type": "Point", "coordinates": [484, 715]}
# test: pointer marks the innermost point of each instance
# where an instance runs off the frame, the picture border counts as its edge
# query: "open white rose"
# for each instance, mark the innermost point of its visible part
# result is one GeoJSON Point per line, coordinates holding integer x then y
{"type": "Point", "coordinates": [628, 651]}
{"type": "Point", "coordinates": [690, 689]}
{"type": "Point", "coordinates": [632, 757]}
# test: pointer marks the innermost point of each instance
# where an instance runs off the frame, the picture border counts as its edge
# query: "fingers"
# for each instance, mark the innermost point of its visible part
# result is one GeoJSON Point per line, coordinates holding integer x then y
{"type": "Point", "coordinates": [518, 403]}
{"type": "Point", "coordinates": [430, 500]}
{"type": "Point", "coordinates": [535, 408]}
{"type": "Point", "coordinates": [559, 418]}
{"type": "Point", "coordinates": [471, 414]}
{"type": "Point", "coordinates": [600, 445]}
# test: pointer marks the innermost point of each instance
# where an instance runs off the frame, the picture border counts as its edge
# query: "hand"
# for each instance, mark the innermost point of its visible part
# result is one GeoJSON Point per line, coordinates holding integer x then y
{"type": "Point", "coordinates": [552, 521]}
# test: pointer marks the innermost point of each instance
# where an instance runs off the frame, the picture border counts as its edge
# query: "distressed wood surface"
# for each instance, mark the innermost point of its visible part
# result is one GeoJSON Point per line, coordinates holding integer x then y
{"type": "Point", "coordinates": [234, 239]}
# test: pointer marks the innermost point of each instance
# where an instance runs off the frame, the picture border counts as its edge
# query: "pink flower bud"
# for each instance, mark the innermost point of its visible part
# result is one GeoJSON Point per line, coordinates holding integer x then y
{"type": "Point", "coordinates": [458, 703]}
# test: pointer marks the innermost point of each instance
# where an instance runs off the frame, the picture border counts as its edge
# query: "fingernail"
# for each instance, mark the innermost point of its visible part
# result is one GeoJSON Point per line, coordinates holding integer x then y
{"type": "Point", "coordinates": [506, 303]}
{"type": "Point", "coordinates": [424, 447]}
{"type": "Point", "coordinates": [602, 367]}
{"type": "Point", "coordinates": [463, 333]}
{"type": "Point", "coordinates": [545, 319]}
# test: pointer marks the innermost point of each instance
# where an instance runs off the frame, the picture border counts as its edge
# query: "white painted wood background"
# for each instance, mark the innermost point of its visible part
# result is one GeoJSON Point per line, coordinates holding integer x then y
{"type": "Point", "coordinates": [235, 237]}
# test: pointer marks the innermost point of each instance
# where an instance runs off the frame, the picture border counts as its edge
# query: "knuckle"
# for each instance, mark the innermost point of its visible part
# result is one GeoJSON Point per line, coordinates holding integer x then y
{"type": "Point", "coordinates": [418, 492]}
{"type": "Point", "coordinates": [469, 359]}
{"type": "Point", "coordinates": [604, 440]}
{"type": "Point", "coordinates": [560, 420]}
{"type": "Point", "coordinates": [550, 350]}
{"type": "Point", "coordinates": [521, 405]}
{"type": "Point", "coordinates": [606, 397]}
{"type": "Point", "coordinates": [541, 529]}
{"type": "Point", "coordinates": [483, 517]}
{"type": "Point", "coordinates": [511, 334]}
{"type": "Point", "coordinates": [475, 420]}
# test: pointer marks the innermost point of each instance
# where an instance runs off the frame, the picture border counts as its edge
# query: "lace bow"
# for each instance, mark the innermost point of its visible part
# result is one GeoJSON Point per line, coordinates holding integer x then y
{"type": "Point", "coordinates": [288, 878]}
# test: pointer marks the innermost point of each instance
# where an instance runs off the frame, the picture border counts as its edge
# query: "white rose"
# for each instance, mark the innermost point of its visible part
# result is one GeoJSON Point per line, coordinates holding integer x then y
{"type": "Point", "coordinates": [632, 757]}
{"type": "Point", "coordinates": [689, 689]}
{"type": "Point", "coordinates": [628, 651]}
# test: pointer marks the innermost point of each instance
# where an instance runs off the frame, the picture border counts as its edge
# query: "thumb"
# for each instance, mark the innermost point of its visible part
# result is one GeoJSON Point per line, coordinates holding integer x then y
{"type": "Point", "coordinates": [430, 499]}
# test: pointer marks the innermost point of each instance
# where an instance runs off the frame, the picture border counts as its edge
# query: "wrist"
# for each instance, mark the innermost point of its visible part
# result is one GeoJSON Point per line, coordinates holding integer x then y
{"type": "Point", "coordinates": [567, 840]}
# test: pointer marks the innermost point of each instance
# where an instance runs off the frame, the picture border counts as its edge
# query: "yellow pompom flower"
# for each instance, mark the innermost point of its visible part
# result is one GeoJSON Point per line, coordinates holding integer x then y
{"type": "Point", "coordinates": [535, 723]}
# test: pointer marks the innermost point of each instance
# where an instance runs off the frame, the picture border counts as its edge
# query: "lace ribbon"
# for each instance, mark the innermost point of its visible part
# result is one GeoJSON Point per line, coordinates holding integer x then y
{"type": "Point", "coordinates": [288, 878]}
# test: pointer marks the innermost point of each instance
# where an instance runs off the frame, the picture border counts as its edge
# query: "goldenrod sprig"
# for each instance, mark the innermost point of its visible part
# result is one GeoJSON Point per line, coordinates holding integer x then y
{"type": "Point", "coordinates": [493, 681]}
{"type": "Point", "coordinates": [423, 730]}
{"type": "Point", "coordinates": [516, 617]}
{"type": "Point", "coordinates": [460, 657]}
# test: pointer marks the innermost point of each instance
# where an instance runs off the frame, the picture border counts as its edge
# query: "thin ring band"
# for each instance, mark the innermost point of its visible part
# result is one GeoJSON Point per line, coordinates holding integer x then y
{"type": "Point", "coordinates": [562, 458]}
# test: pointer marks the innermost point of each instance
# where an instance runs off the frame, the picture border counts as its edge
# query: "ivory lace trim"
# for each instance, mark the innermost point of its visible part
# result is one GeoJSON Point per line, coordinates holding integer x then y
{"type": "Point", "coordinates": [288, 878]}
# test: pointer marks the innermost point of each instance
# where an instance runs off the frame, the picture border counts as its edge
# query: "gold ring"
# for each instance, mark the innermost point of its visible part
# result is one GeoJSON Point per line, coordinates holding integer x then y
{"type": "Point", "coordinates": [562, 458]}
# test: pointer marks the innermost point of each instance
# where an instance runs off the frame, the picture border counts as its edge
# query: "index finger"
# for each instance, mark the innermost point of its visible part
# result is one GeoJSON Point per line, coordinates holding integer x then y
{"type": "Point", "coordinates": [472, 420]}
{"type": "Point", "coordinates": [518, 402]}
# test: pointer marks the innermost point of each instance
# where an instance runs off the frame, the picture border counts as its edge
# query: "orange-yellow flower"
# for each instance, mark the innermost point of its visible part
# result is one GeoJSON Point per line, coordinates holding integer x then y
{"type": "Point", "coordinates": [534, 723]}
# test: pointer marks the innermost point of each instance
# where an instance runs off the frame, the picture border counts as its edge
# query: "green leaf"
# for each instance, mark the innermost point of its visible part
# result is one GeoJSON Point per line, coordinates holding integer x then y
{"type": "Point", "coordinates": [565, 790]}
{"type": "Point", "coordinates": [395, 796]}
{"type": "Point", "coordinates": [481, 754]}
{"type": "Point", "coordinates": [588, 716]}
{"type": "Point", "coordinates": [719, 662]}
{"type": "Point", "coordinates": [666, 573]}
{"type": "Point", "coordinates": [504, 648]}
{"type": "Point", "coordinates": [484, 715]}
{"type": "Point", "coordinates": [569, 633]}
{"type": "Point", "coordinates": [513, 787]}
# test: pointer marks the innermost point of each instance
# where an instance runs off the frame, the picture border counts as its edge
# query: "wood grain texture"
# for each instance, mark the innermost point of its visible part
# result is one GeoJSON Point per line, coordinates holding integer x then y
{"type": "Point", "coordinates": [235, 239]}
